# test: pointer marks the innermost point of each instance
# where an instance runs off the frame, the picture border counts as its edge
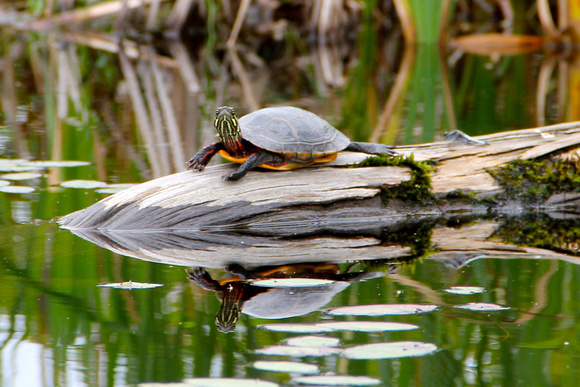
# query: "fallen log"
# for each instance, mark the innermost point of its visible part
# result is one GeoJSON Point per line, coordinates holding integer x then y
{"type": "Point", "coordinates": [335, 213]}
{"type": "Point", "coordinates": [330, 194]}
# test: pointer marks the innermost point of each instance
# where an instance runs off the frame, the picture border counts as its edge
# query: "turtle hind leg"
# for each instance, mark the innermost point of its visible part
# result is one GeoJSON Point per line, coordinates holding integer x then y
{"type": "Point", "coordinates": [371, 148]}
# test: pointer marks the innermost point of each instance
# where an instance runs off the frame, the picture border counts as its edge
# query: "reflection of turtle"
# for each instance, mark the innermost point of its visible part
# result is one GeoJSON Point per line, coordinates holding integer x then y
{"type": "Point", "coordinates": [280, 138]}
{"type": "Point", "coordinates": [237, 292]}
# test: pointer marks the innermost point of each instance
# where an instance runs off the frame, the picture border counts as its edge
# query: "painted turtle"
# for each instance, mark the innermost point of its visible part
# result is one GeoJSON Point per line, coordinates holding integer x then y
{"type": "Point", "coordinates": [279, 138]}
{"type": "Point", "coordinates": [238, 292]}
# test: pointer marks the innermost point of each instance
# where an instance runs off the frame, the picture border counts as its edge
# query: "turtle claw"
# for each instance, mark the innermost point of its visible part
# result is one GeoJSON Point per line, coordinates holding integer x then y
{"type": "Point", "coordinates": [201, 277]}
{"type": "Point", "coordinates": [194, 165]}
{"type": "Point", "coordinates": [196, 274]}
{"type": "Point", "coordinates": [234, 176]}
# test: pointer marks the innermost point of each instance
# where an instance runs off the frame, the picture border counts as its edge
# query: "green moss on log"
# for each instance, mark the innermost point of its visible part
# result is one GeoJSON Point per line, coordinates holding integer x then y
{"type": "Point", "coordinates": [417, 189]}
{"type": "Point", "coordinates": [534, 181]}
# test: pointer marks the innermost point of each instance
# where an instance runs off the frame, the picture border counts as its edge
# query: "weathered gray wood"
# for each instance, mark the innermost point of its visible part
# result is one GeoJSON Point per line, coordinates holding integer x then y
{"type": "Point", "coordinates": [204, 201]}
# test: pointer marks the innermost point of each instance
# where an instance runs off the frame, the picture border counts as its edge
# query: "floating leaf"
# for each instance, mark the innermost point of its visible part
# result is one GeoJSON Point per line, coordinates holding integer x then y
{"type": "Point", "coordinates": [295, 328]}
{"type": "Point", "coordinates": [313, 341]}
{"type": "Point", "coordinates": [381, 310]}
{"type": "Point", "coordinates": [130, 285]}
{"type": "Point", "coordinates": [290, 282]}
{"type": "Point", "coordinates": [367, 326]}
{"type": "Point", "coordinates": [21, 176]}
{"type": "Point", "coordinates": [337, 380]}
{"type": "Point", "coordinates": [228, 382]}
{"type": "Point", "coordinates": [14, 165]}
{"type": "Point", "coordinates": [83, 184]}
{"type": "Point", "coordinates": [4, 162]}
{"type": "Point", "coordinates": [55, 163]}
{"type": "Point", "coordinates": [465, 290]}
{"type": "Point", "coordinates": [392, 350]}
{"type": "Point", "coordinates": [287, 366]}
{"type": "Point", "coordinates": [293, 351]}
{"type": "Point", "coordinates": [482, 307]}
{"type": "Point", "coordinates": [16, 189]}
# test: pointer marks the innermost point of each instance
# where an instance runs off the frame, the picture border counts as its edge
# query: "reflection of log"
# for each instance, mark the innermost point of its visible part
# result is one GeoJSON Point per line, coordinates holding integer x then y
{"type": "Point", "coordinates": [454, 246]}
{"type": "Point", "coordinates": [329, 198]}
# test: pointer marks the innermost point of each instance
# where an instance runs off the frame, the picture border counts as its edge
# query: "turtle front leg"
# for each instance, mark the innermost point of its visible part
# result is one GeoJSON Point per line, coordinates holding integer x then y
{"type": "Point", "coordinates": [253, 161]}
{"type": "Point", "coordinates": [203, 279]}
{"type": "Point", "coordinates": [204, 155]}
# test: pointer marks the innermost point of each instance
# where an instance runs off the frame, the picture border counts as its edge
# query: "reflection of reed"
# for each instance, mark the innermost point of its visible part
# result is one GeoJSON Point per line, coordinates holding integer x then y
{"type": "Point", "coordinates": [10, 100]}
{"type": "Point", "coordinates": [541, 296]}
{"type": "Point", "coordinates": [155, 111]}
{"type": "Point", "coordinates": [148, 86]}
{"type": "Point", "coordinates": [387, 125]}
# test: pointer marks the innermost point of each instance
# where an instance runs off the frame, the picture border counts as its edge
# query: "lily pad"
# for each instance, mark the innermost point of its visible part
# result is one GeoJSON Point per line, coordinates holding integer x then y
{"type": "Point", "coordinates": [287, 366]}
{"type": "Point", "coordinates": [295, 328]}
{"type": "Point", "coordinates": [83, 184]}
{"type": "Point", "coordinates": [313, 341]}
{"type": "Point", "coordinates": [293, 351]}
{"type": "Point", "coordinates": [228, 382]}
{"type": "Point", "coordinates": [368, 326]}
{"type": "Point", "coordinates": [381, 310]}
{"type": "Point", "coordinates": [55, 163]}
{"type": "Point", "coordinates": [393, 350]}
{"type": "Point", "coordinates": [290, 282]}
{"type": "Point", "coordinates": [21, 176]}
{"type": "Point", "coordinates": [482, 307]}
{"type": "Point", "coordinates": [465, 290]}
{"type": "Point", "coordinates": [16, 189]}
{"type": "Point", "coordinates": [14, 165]}
{"type": "Point", "coordinates": [130, 285]}
{"type": "Point", "coordinates": [337, 380]}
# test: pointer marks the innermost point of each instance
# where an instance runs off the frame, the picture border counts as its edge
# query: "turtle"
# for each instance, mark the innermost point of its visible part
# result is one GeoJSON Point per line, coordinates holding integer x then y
{"type": "Point", "coordinates": [277, 138]}
{"type": "Point", "coordinates": [238, 292]}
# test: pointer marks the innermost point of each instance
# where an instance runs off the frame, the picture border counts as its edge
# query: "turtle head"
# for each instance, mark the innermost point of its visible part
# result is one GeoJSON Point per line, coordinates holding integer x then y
{"type": "Point", "coordinates": [227, 127]}
{"type": "Point", "coordinates": [232, 302]}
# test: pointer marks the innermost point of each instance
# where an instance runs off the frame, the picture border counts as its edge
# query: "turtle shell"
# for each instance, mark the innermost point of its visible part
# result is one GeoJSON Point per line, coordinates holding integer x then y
{"type": "Point", "coordinates": [292, 131]}
{"type": "Point", "coordinates": [292, 301]}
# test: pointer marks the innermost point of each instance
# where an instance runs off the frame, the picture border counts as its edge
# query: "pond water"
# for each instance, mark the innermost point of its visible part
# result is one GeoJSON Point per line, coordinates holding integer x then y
{"type": "Point", "coordinates": [507, 316]}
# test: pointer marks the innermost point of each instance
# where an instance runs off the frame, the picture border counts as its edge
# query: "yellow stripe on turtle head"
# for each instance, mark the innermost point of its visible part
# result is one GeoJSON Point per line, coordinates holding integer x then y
{"type": "Point", "coordinates": [227, 127]}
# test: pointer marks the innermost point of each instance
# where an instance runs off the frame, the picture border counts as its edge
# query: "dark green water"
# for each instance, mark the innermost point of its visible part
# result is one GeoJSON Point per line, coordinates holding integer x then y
{"type": "Point", "coordinates": [63, 101]}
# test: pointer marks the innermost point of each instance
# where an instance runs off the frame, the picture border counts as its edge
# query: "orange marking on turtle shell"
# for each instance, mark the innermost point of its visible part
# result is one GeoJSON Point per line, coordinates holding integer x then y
{"type": "Point", "coordinates": [285, 167]}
